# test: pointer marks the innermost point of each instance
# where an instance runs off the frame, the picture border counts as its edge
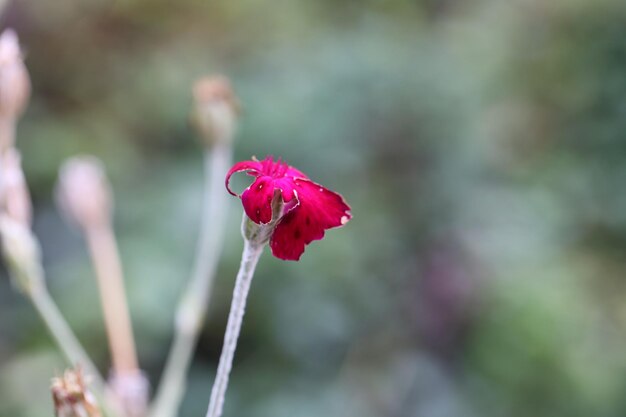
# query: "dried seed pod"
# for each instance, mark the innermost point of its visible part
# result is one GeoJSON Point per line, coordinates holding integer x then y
{"type": "Point", "coordinates": [83, 192]}
{"type": "Point", "coordinates": [71, 397]}
{"type": "Point", "coordinates": [215, 110]}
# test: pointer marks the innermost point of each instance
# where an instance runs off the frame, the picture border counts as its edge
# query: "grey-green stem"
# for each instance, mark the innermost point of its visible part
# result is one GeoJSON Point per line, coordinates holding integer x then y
{"type": "Point", "coordinates": [63, 335]}
{"type": "Point", "coordinates": [194, 303]}
{"type": "Point", "coordinates": [69, 344]}
{"type": "Point", "coordinates": [251, 253]}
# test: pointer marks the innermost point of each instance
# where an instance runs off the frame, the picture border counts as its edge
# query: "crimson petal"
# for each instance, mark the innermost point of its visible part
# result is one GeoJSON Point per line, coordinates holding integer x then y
{"type": "Point", "coordinates": [252, 167]}
{"type": "Point", "coordinates": [257, 200]}
{"type": "Point", "coordinates": [295, 173]}
{"type": "Point", "coordinates": [319, 209]}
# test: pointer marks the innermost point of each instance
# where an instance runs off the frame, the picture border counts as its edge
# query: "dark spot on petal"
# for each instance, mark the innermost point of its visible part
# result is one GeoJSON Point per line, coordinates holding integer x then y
{"type": "Point", "coordinates": [307, 220]}
{"type": "Point", "coordinates": [258, 214]}
{"type": "Point", "coordinates": [296, 234]}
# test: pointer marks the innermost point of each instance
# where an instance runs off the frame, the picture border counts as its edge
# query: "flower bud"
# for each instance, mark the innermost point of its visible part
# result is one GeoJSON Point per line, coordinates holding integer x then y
{"type": "Point", "coordinates": [21, 253]}
{"type": "Point", "coordinates": [71, 397]}
{"type": "Point", "coordinates": [215, 110]}
{"type": "Point", "coordinates": [83, 192]}
{"type": "Point", "coordinates": [14, 82]}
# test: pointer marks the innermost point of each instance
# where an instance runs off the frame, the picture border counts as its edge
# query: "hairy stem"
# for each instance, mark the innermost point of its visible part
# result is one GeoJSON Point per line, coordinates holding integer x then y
{"type": "Point", "coordinates": [249, 259]}
{"type": "Point", "coordinates": [194, 302]}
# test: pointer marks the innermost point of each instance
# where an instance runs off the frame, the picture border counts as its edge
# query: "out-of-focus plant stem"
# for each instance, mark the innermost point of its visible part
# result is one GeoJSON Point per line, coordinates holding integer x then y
{"type": "Point", "coordinates": [251, 254]}
{"type": "Point", "coordinates": [21, 248]}
{"type": "Point", "coordinates": [194, 302]}
{"type": "Point", "coordinates": [7, 130]}
{"type": "Point", "coordinates": [29, 278]}
{"type": "Point", "coordinates": [22, 254]}
{"type": "Point", "coordinates": [85, 197]}
{"type": "Point", "coordinates": [105, 257]}
{"type": "Point", "coordinates": [126, 381]}
{"type": "Point", "coordinates": [64, 337]}
{"type": "Point", "coordinates": [68, 343]}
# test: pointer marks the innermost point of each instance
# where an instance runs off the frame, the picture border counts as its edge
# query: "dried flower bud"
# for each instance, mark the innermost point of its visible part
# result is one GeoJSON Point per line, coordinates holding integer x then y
{"type": "Point", "coordinates": [14, 81]}
{"type": "Point", "coordinates": [22, 254]}
{"type": "Point", "coordinates": [130, 390]}
{"type": "Point", "coordinates": [215, 109]}
{"type": "Point", "coordinates": [71, 397]}
{"type": "Point", "coordinates": [83, 192]}
{"type": "Point", "coordinates": [13, 189]}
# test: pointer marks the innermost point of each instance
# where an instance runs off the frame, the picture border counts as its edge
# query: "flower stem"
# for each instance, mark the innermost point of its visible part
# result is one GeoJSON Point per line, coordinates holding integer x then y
{"type": "Point", "coordinates": [69, 344]}
{"type": "Point", "coordinates": [105, 257]}
{"type": "Point", "coordinates": [194, 303]}
{"type": "Point", "coordinates": [63, 335]}
{"type": "Point", "coordinates": [249, 258]}
{"type": "Point", "coordinates": [128, 385]}
{"type": "Point", "coordinates": [7, 132]}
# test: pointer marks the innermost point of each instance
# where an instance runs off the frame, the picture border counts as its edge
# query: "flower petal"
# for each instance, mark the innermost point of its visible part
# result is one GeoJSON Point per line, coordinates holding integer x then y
{"type": "Point", "coordinates": [257, 200]}
{"type": "Point", "coordinates": [279, 169]}
{"type": "Point", "coordinates": [293, 172]}
{"type": "Point", "coordinates": [319, 209]}
{"type": "Point", "coordinates": [252, 167]}
{"type": "Point", "coordinates": [287, 186]}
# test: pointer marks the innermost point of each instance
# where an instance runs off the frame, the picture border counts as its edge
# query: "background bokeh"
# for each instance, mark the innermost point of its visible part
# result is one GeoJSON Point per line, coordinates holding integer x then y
{"type": "Point", "coordinates": [481, 144]}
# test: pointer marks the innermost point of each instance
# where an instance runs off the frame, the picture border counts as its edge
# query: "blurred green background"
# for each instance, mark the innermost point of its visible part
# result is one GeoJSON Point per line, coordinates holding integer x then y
{"type": "Point", "coordinates": [481, 145]}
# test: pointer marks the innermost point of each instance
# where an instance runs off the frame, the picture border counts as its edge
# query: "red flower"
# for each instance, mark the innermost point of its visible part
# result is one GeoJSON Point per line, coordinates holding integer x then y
{"type": "Point", "coordinates": [309, 208]}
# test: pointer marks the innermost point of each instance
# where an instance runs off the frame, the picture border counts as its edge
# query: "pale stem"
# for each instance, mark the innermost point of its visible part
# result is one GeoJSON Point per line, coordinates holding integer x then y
{"type": "Point", "coordinates": [69, 344]}
{"type": "Point", "coordinates": [63, 335]}
{"type": "Point", "coordinates": [249, 259]}
{"type": "Point", "coordinates": [194, 302]}
{"type": "Point", "coordinates": [7, 131]}
{"type": "Point", "coordinates": [105, 257]}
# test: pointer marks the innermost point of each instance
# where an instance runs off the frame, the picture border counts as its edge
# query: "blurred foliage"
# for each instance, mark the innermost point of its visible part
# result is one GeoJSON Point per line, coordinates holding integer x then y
{"type": "Point", "coordinates": [480, 144]}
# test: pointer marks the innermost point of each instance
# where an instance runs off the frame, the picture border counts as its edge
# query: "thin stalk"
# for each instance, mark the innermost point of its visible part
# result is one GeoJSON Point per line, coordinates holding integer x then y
{"type": "Point", "coordinates": [63, 335]}
{"type": "Point", "coordinates": [7, 131]}
{"type": "Point", "coordinates": [249, 259]}
{"type": "Point", "coordinates": [107, 264]}
{"type": "Point", "coordinates": [194, 302]}
{"type": "Point", "coordinates": [69, 344]}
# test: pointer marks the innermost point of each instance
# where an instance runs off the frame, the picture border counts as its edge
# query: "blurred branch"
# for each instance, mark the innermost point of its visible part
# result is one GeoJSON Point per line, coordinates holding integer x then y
{"type": "Point", "coordinates": [105, 257]}
{"type": "Point", "coordinates": [22, 253]}
{"type": "Point", "coordinates": [126, 380]}
{"type": "Point", "coordinates": [84, 196]}
{"type": "Point", "coordinates": [214, 117]}
{"type": "Point", "coordinates": [63, 335]}
{"type": "Point", "coordinates": [194, 303]}
{"type": "Point", "coordinates": [20, 247]}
